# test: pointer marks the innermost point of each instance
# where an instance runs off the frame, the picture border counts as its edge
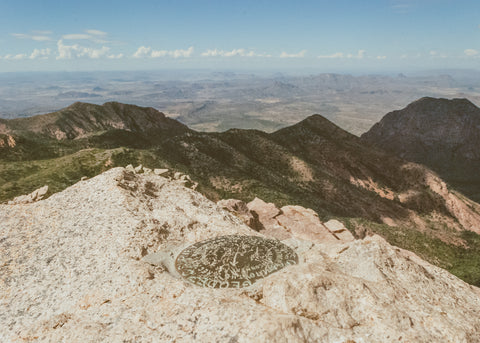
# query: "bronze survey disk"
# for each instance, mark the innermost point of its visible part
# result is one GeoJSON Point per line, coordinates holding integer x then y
{"type": "Point", "coordinates": [233, 261]}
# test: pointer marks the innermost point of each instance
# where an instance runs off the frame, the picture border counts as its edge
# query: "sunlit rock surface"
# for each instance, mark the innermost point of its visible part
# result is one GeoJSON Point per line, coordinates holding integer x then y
{"type": "Point", "coordinates": [94, 264]}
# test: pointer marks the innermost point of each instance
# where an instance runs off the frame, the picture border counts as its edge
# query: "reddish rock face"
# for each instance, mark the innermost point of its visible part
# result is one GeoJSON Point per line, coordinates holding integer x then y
{"type": "Point", "coordinates": [296, 222]}
{"type": "Point", "coordinates": [267, 215]}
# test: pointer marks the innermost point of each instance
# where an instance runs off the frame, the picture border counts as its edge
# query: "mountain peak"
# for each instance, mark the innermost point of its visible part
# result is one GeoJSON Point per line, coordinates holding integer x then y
{"type": "Point", "coordinates": [427, 103]}
{"type": "Point", "coordinates": [314, 125]}
{"type": "Point", "coordinates": [443, 134]}
{"type": "Point", "coordinates": [129, 243]}
{"type": "Point", "coordinates": [427, 116]}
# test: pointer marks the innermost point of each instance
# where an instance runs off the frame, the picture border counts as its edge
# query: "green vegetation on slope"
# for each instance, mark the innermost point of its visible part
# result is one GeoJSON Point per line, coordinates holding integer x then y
{"type": "Point", "coordinates": [23, 177]}
{"type": "Point", "coordinates": [461, 260]}
{"type": "Point", "coordinates": [314, 164]}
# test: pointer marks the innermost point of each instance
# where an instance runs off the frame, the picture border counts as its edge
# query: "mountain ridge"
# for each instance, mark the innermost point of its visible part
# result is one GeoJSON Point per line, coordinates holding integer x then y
{"type": "Point", "coordinates": [314, 164]}
{"type": "Point", "coordinates": [439, 133]}
{"type": "Point", "coordinates": [80, 120]}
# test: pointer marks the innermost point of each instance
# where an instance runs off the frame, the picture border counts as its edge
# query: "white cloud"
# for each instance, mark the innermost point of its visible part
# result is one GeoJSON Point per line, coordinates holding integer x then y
{"type": "Point", "coordinates": [75, 36]}
{"type": "Point", "coordinates": [335, 55]}
{"type": "Point", "coordinates": [41, 38]}
{"type": "Point", "coordinates": [183, 53]}
{"type": "Point", "coordinates": [232, 53]}
{"type": "Point", "coordinates": [42, 32]}
{"type": "Point", "coordinates": [95, 53]}
{"type": "Point", "coordinates": [20, 35]}
{"type": "Point", "coordinates": [95, 36]}
{"type": "Point", "coordinates": [66, 52]}
{"type": "Point", "coordinates": [360, 54]}
{"type": "Point", "coordinates": [403, 6]}
{"type": "Point", "coordinates": [470, 52]}
{"type": "Point", "coordinates": [40, 53]}
{"type": "Point", "coordinates": [15, 57]}
{"type": "Point", "coordinates": [115, 57]}
{"type": "Point", "coordinates": [96, 32]}
{"type": "Point", "coordinates": [381, 57]}
{"type": "Point", "coordinates": [144, 51]}
{"type": "Point", "coordinates": [436, 54]}
{"type": "Point", "coordinates": [37, 37]}
{"type": "Point", "coordinates": [174, 53]}
{"type": "Point", "coordinates": [75, 51]}
{"type": "Point", "coordinates": [297, 55]}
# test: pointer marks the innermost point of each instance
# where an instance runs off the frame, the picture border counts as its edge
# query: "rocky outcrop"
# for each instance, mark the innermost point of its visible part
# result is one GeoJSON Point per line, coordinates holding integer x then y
{"type": "Point", "coordinates": [241, 210]}
{"type": "Point", "coordinates": [96, 263]}
{"type": "Point", "coordinates": [297, 222]}
{"type": "Point", "coordinates": [7, 141]}
{"type": "Point", "coordinates": [36, 195]}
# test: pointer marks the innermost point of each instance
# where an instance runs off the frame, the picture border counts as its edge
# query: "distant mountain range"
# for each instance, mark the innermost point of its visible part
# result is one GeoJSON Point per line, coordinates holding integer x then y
{"type": "Point", "coordinates": [439, 133]}
{"type": "Point", "coordinates": [314, 163]}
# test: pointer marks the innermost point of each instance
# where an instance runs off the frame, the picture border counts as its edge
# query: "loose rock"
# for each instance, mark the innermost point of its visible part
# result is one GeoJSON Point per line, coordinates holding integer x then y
{"type": "Point", "coordinates": [157, 171]}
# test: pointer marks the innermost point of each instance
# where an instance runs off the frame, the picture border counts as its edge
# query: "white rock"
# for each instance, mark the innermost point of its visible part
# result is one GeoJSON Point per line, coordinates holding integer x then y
{"type": "Point", "coordinates": [91, 264]}
{"type": "Point", "coordinates": [22, 199]}
{"type": "Point", "coordinates": [139, 169]}
{"type": "Point", "coordinates": [41, 192]}
{"type": "Point", "coordinates": [339, 230]}
{"type": "Point", "coordinates": [36, 195]}
{"type": "Point", "coordinates": [185, 177]}
{"type": "Point", "coordinates": [157, 171]}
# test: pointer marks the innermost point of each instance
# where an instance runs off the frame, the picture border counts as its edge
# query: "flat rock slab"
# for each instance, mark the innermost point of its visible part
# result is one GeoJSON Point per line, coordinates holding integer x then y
{"type": "Point", "coordinates": [233, 261]}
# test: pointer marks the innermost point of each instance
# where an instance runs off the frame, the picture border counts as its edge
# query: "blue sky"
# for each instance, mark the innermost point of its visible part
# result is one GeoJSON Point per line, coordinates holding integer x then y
{"type": "Point", "coordinates": [373, 35]}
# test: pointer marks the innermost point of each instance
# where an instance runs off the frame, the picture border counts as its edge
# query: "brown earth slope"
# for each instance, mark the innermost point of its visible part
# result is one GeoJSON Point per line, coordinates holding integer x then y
{"type": "Point", "coordinates": [442, 134]}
